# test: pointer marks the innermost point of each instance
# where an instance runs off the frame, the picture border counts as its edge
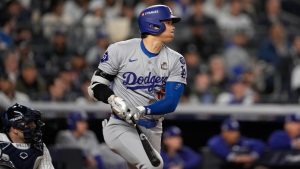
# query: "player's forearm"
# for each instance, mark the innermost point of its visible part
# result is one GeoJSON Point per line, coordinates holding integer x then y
{"type": "Point", "coordinates": [102, 92]}
{"type": "Point", "coordinates": [174, 91]}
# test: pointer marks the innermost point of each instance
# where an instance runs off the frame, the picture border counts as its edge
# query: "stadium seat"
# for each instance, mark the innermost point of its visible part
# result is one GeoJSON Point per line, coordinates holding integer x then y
{"type": "Point", "coordinates": [67, 158]}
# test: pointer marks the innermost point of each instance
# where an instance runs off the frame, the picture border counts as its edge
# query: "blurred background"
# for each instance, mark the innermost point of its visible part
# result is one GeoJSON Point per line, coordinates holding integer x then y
{"type": "Point", "coordinates": [243, 60]}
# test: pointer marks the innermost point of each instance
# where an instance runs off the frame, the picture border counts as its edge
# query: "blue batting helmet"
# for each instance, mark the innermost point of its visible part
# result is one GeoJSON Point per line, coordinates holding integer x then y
{"type": "Point", "coordinates": [74, 117]}
{"type": "Point", "coordinates": [151, 17]}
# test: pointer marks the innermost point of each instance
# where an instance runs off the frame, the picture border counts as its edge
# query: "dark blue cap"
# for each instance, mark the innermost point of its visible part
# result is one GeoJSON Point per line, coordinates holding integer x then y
{"type": "Point", "coordinates": [171, 132]}
{"type": "Point", "coordinates": [230, 124]}
{"type": "Point", "coordinates": [74, 117]}
{"type": "Point", "coordinates": [295, 117]}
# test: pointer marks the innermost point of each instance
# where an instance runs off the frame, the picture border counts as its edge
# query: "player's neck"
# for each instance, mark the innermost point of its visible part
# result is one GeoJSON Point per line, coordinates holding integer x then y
{"type": "Point", "coordinates": [152, 44]}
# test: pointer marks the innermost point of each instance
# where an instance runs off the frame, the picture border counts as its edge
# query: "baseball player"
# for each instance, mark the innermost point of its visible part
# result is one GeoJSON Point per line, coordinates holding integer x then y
{"type": "Point", "coordinates": [21, 143]}
{"type": "Point", "coordinates": [140, 78]}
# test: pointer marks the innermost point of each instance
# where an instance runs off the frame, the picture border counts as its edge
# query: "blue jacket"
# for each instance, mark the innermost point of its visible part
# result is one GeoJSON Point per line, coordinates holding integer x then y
{"type": "Point", "coordinates": [279, 140]}
{"type": "Point", "coordinates": [244, 146]}
{"type": "Point", "coordinates": [186, 157]}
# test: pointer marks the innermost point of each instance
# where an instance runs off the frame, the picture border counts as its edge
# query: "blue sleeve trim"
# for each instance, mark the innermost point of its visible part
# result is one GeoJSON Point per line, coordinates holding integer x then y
{"type": "Point", "coordinates": [173, 93]}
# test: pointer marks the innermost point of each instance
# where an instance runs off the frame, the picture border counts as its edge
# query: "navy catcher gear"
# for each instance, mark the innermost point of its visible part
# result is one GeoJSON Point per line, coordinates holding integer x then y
{"type": "Point", "coordinates": [151, 17]}
{"type": "Point", "coordinates": [19, 117]}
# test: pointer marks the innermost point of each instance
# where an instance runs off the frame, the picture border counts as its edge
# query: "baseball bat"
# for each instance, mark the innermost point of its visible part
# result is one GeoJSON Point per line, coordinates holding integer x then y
{"type": "Point", "coordinates": [147, 146]}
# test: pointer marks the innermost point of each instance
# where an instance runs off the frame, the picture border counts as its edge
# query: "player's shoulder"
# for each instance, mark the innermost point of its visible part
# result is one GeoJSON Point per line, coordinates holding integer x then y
{"type": "Point", "coordinates": [174, 54]}
{"type": "Point", "coordinates": [4, 138]}
{"type": "Point", "coordinates": [279, 134]}
{"type": "Point", "coordinates": [126, 43]}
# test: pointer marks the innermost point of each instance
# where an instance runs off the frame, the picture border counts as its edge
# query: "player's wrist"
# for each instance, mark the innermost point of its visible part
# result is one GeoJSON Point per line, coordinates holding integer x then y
{"type": "Point", "coordinates": [111, 98]}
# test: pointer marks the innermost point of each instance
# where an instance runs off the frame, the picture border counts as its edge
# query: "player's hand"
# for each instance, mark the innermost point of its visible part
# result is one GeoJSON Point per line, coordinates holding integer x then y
{"type": "Point", "coordinates": [118, 106]}
{"type": "Point", "coordinates": [136, 113]}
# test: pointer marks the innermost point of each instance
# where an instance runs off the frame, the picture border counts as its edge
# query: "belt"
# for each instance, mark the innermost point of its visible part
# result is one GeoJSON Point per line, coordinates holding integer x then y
{"type": "Point", "coordinates": [147, 123]}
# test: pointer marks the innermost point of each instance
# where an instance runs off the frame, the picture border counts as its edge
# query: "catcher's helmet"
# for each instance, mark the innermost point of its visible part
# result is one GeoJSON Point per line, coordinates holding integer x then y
{"type": "Point", "coordinates": [19, 116]}
{"type": "Point", "coordinates": [151, 17]}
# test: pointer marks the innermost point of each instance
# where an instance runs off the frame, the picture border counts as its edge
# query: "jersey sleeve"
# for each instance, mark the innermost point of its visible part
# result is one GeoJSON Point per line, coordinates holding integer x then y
{"type": "Point", "coordinates": [46, 162]}
{"type": "Point", "coordinates": [110, 61]}
{"type": "Point", "coordinates": [178, 72]}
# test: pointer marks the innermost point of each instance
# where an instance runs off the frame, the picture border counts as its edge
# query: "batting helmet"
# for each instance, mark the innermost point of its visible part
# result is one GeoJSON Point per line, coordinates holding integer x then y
{"type": "Point", "coordinates": [151, 17]}
{"type": "Point", "coordinates": [74, 117]}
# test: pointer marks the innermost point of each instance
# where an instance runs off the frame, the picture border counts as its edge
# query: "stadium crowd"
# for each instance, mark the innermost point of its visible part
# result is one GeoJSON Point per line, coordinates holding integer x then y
{"type": "Point", "coordinates": [237, 51]}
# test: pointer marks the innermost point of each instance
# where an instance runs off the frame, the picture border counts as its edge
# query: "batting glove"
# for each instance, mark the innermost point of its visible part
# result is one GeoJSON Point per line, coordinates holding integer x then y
{"type": "Point", "coordinates": [118, 106]}
{"type": "Point", "coordinates": [136, 113]}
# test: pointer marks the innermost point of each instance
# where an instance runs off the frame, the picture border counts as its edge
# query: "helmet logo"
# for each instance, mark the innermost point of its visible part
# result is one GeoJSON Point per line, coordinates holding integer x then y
{"type": "Point", "coordinates": [20, 116]}
{"type": "Point", "coordinates": [150, 12]}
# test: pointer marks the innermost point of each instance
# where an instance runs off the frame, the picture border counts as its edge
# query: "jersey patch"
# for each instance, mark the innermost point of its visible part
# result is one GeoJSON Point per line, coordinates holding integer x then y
{"type": "Point", "coordinates": [104, 57]}
{"type": "Point", "coordinates": [164, 66]}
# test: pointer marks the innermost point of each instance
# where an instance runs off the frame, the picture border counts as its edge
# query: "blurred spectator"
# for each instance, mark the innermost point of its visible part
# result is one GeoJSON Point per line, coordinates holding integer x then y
{"type": "Point", "coordinates": [289, 138]}
{"type": "Point", "coordinates": [23, 33]}
{"type": "Point", "coordinates": [56, 91]}
{"type": "Point", "coordinates": [112, 9]}
{"type": "Point", "coordinates": [18, 12]}
{"type": "Point", "coordinates": [85, 97]}
{"type": "Point", "coordinates": [235, 21]}
{"type": "Point", "coordinates": [236, 54]}
{"type": "Point", "coordinates": [249, 8]}
{"type": "Point", "coordinates": [214, 8]}
{"type": "Point", "coordinates": [55, 19]}
{"type": "Point", "coordinates": [274, 51]}
{"type": "Point", "coordinates": [75, 10]}
{"type": "Point", "coordinates": [217, 73]}
{"type": "Point", "coordinates": [273, 14]}
{"type": "Point", "coordinates": [176, 155]}
{"type": "Point", "coordinates": [95, 53]}
{"type": "Point", "coordinates": [30, 82]}
{"type": "Point", "coordinates": [11, 64]}
{"type": "Point", "coordinates": [93, 21]}
{"type": "Point", "coordinates": [7, 25]}
{"type": "Point", "coordinates": [79, 136]}
{"type": "Point", "coordinates": [202, 91]}
{"type": "Point", "coordinates": [236, 150]}
{"type": "Point", "coordinates": [9, 95]}
{"type": "Point", "coordinates": [57, 54]}
{"type": "Point", "coordinates": [193, 62]}
{"type": "Point", "coordinates": [239, 93]}
{"type": "Point", "coordinates": [119, 27]}
{"type": "Point", "coordinates": [205, 33]}
{"type": "Point", "coordinates": [295, 82]}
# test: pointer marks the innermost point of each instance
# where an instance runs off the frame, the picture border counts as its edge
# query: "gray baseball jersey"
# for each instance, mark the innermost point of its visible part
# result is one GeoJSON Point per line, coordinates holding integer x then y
{"type": "Point", "coordinates": [140, 79]}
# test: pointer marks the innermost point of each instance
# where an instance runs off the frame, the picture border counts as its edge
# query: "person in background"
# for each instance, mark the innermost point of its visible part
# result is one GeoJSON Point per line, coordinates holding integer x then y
{"type": "Point", "coordinates": [289, 138]}
{"type": "Point", "coordinates": [78, 136]}
{"type": "Point", "coordinates": [8, 94]}
{"type": "Point", "coordinates": [239, 93]}
{"type": "Point", "coordinates": [236, 150]}
{"type": "Point", "coordinates": [176, 155]}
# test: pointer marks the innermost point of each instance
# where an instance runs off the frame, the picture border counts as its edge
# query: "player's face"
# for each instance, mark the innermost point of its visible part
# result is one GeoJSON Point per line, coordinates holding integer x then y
{"type": "Point", "coordinates": [293, 129]}
{"type": "Point", "coordinates": [231, 137]}
{"type": "Point", "coordinates": [173, 143]}
{"type": "Point", "coordinates": [81, 126]}
{"type": "Point", "coordinates": [167, 35]}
